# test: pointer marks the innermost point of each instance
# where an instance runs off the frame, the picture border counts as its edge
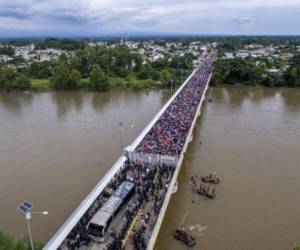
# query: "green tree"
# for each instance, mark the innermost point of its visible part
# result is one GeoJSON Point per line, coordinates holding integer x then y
{"type": "Point", "coordinates": [60, 78]}
{"type": "Point", "coordinates": [23, 82]}
{"type": "Point", "coordinates": [7, 50]}
{"type": "Point", "coordinates": [144, 73]}
{"type": "Point", "coordinates": [99, 80]}
{"type": "Point", "coordinates": [74, 79]}
{"type": "Point", "coordinates": [8, 77]}
{"type": "Point", "coordinates": [292, 76]}
{"type": "Point", "coordinates": [40, 70]}
{"type": "Point", "coordinates": [165, 77]}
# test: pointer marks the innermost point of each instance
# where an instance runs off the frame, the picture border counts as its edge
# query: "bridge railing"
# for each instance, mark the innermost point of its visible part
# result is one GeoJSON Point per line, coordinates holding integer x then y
{"type": "Point", "coordinates": [152, 159]}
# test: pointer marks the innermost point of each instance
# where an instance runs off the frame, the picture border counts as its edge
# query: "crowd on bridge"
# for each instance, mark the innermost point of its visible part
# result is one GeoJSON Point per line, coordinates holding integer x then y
{"type": "Point", "coordinates": [166, 137]}
{"type": "Point", "coordinates": [169, 133]}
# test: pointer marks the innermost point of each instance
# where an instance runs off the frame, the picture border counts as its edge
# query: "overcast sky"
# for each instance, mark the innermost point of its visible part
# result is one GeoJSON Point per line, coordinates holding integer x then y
{"type": "Point", "coordinates": [100, 17]}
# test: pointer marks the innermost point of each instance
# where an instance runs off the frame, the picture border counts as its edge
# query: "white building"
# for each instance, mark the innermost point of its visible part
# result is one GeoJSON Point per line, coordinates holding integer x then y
{"type": "Point", "coordinates": [5, 58]}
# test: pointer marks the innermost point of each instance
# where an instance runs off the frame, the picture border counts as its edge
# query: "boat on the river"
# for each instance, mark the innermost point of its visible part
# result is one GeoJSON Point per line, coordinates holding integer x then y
{"type": "Point", "coordinates": [212, 178]}
{"type": "Point", "coordinates": [205, 191]}
{"type": "Point", "coordinates": [183, 236]}
{"type": "Point", "coordinates": [208, 179]}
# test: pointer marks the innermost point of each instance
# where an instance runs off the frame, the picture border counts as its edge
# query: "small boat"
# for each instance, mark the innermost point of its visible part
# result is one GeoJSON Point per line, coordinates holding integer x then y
{"type": "Point", "coordinates": [212, 178]}
{"type": "Point", "coordinates": [206, 192]}
{"type": "Point", "coordinates": [183, 236]}
{"type": "Point", "coordinates": [207, 179]}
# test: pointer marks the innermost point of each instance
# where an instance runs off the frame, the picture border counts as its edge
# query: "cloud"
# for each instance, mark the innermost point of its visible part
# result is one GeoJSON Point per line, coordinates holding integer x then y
{"type": "Point", "coordinates": [146, 23]}
{"type": "Point", "coordinates": [242, 20]}
{"type": "Point", "coordinates": [110, 16]}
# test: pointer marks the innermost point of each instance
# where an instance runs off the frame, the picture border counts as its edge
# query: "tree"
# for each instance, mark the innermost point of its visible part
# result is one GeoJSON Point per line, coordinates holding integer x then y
{"type": "Point", "coordinates": [155, 75]}
{"type": "Point", "coordinates": [23, 82]}
{"type": "Point", "coordinates": [41, 70]}
{"type": "Point", "coordinates": [99, 80]}
{"type": "Point", "coordinates": [60, 78]}
{"type": "Point", "coordinates": [165, 77]}
{"type": "Point", "coordinates": [292, 76]}
{"type": "Point", "coordinates": [8, 77]}
{"type": "Point", "coordinates": [144, 73]}
{"type": "Point", "coordinates": [7, 50]}
{"type": "Point", "coordinates": [74, 78]}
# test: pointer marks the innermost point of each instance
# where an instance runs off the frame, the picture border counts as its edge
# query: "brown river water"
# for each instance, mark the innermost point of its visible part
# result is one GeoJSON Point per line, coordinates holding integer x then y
{"type": "Point", "coordinates": [54, 147]}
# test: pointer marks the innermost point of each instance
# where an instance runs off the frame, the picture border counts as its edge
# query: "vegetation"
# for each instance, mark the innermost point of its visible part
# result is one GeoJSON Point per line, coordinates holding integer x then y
{"type": "Point", "coordinates": [237, 70]}
{"type": "Point", "coordinates": [292, 75]}
{"type": "Point", "coordinates": [248, 72]}
{"type": "Point", "coordinates": [7, 50]}
{"type": "Point", "coordinates": [10, 79]}
{"type": "Point", "coordinates": [104, 68]}
{"type": "Point", "coordinates": [296, 247]}
{"type": "Point", "coordinates": [65, 44]}
{"type": "Point", "coordinates": [96, 69]}
{"type": "Point", "coordinates": [99, 80]}
{"type": "Point", "coordinates": [40, 84]}
{"type": "Point", "coordinates": [8, 243]}
{"type": "Point", "coordinates": [64, 78]}
{"type": "Point", "coordinates": [235, 43]}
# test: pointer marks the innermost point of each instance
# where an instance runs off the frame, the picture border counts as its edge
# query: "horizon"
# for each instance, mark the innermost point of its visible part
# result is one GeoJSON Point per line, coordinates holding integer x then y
{"type": "Point", "coordinates": [150, 35]}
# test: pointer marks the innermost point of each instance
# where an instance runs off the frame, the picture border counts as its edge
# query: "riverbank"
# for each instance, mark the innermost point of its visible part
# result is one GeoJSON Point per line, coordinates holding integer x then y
{"type": "Point", "coordinates": [114, 83]}
{"type": "Point", "coordinates": [250, 71]}
{"type": "Point", "coordinates": [42, 85]}
{"type": "Point", "coordinates": [9, 243]}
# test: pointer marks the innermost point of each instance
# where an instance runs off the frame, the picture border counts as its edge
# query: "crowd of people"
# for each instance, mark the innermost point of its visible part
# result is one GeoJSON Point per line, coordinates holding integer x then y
{"type": "Point", "coordinates": [169, 133]}
{"type": "Point", "coordinates": [167, 138]}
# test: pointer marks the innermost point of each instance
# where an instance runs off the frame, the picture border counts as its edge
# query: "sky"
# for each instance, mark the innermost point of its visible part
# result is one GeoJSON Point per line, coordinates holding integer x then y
{"type": "Point", "coordinates": [106, 17]}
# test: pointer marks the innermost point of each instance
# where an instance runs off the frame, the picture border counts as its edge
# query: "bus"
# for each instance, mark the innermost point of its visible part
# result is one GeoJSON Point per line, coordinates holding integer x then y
{"type": "Point", "coordinates": [99, 224]}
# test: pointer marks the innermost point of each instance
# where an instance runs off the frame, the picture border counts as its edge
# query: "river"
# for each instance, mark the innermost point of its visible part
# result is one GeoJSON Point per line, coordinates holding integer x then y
{"type": "Point", "coordinates": [54, 147]}
{"type": "Point", "coordinates": [251, 138]}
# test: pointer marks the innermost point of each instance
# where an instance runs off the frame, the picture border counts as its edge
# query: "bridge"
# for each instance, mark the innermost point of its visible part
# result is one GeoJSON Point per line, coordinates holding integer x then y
{"type": "Point", "coordinates": [151, 163]}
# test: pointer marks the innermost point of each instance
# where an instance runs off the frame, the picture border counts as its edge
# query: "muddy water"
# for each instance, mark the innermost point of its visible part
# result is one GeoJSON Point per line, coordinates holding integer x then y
{"type": "Point", "coordinates": [251, 138]}
{"type": "Point", "coordinates": [54, 148]}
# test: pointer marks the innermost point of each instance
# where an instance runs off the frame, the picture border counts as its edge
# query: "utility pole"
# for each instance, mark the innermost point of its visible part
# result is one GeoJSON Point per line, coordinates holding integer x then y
{"type": "Point", "coordinates": [121, 124]}
{"type": "Point", "coordinates": [28, 217]}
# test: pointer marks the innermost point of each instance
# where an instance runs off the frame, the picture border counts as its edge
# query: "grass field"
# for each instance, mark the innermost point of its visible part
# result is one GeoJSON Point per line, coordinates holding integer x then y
{"type": "Point", "coordinates": [9, 243]}
{"type": "Point", "coordinates": [115, 83]}
{"type": "Point", "coordinates": [40, 84]}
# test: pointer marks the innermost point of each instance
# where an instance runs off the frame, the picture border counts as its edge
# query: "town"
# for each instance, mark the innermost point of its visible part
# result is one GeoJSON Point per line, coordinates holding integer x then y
{"type": "Point", "coordinates": [156, 62]}
{"type": "Point", "coordinates": [152, 50]}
